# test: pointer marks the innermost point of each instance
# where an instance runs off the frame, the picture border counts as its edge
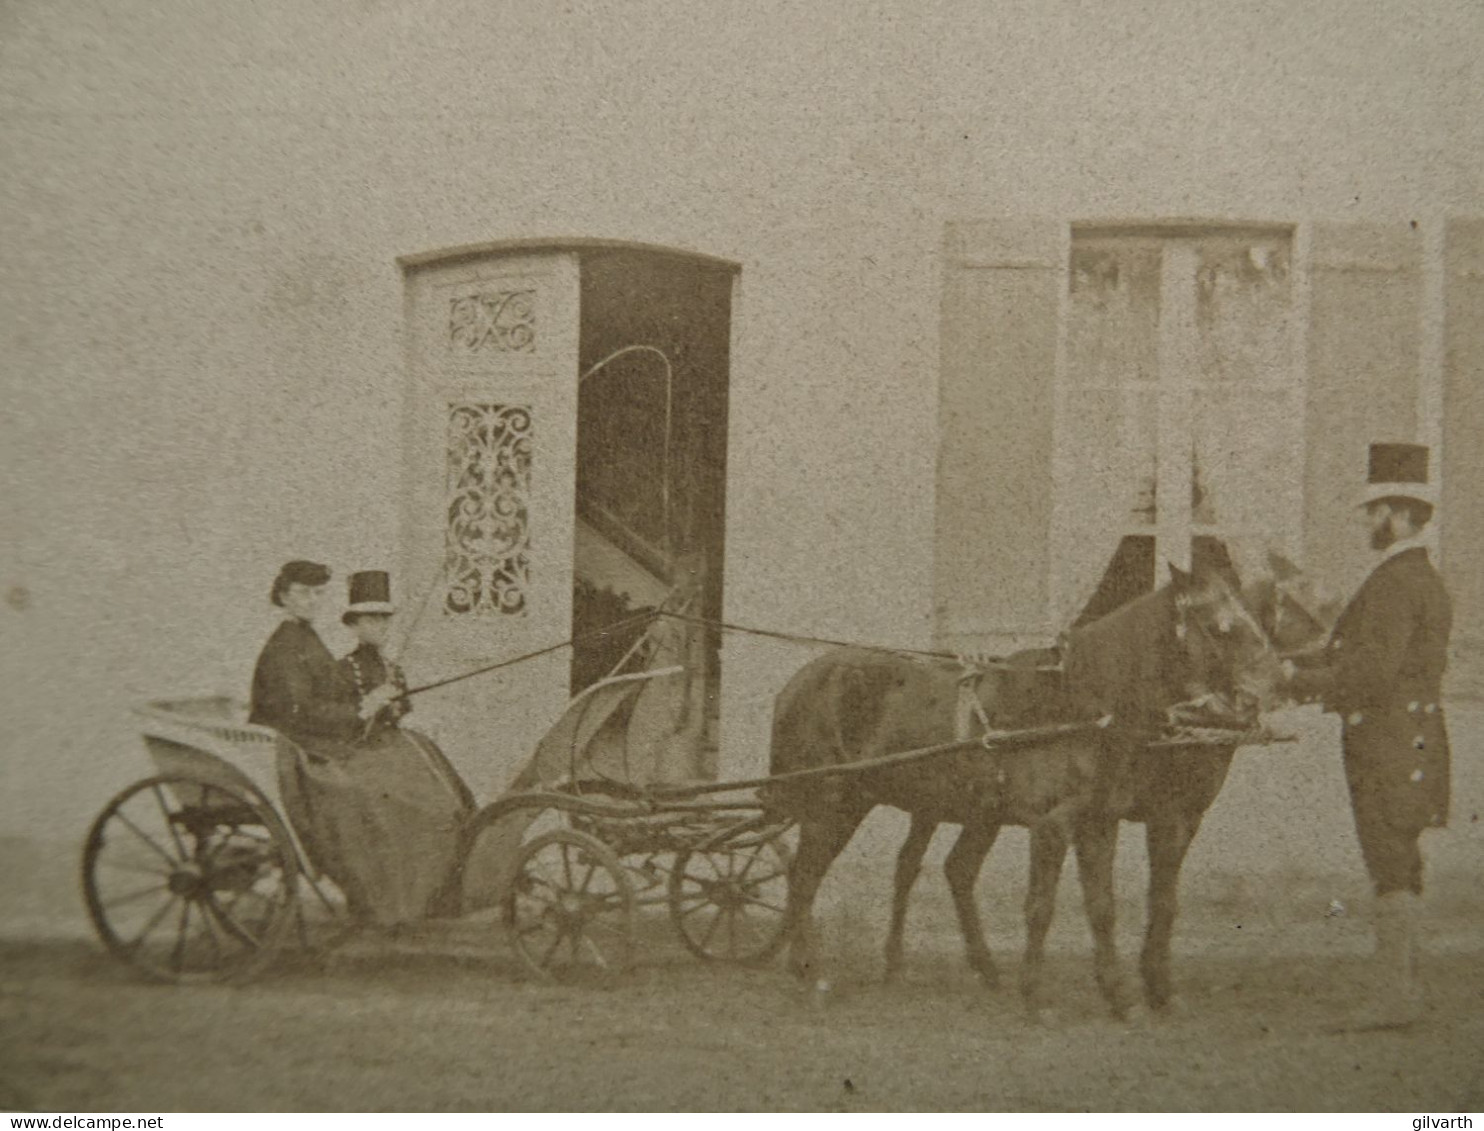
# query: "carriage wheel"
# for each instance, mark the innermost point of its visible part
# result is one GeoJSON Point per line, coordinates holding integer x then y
{"type": "Point", "coordinates": [570, 909]}
{"type": "Point", "coordinates": [188, 881]}
{"type": "Point", "coordinates": [727, 896]}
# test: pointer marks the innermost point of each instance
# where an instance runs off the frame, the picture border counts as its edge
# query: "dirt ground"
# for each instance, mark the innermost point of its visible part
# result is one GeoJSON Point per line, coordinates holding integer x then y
{"type": "Point", "coordinates": [433, 1032]}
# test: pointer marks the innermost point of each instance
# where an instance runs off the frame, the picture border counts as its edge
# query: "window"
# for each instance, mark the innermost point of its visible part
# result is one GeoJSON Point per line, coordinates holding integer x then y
{"type": "Point", "coordinates": [1179, 400]}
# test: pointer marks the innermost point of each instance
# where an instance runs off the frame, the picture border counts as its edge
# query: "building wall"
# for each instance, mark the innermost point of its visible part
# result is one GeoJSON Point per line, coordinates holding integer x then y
{"type": "Point", "coordinates": [200, 329]}
{"type": "Point", "coordinates": [1463, 470]}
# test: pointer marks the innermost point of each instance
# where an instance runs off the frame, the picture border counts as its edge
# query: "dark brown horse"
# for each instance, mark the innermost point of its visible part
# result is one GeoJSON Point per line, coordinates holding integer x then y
{"type": "Point", "coordinates": [1181, 643]}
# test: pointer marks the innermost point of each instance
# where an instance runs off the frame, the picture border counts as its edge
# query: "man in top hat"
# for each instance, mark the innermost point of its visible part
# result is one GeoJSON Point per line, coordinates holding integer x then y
{"type": "Point", "coordinates": [1381, 672]}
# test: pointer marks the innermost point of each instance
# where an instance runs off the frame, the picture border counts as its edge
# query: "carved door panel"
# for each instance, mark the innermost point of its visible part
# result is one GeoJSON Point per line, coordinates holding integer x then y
{"type": "Point", "coordinates": [490, 447]}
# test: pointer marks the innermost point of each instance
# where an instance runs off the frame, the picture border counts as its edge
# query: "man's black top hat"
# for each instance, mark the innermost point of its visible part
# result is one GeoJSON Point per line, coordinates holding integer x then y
{"type": "Point", "coordinates": [1399, 471]}
{"type": "Point", "coordinates": [370, 595]}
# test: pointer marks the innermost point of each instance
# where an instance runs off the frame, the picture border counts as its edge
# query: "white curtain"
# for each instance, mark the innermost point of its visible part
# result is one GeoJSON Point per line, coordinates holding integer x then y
{"type": "Point", "coordinates": [1109, 427]}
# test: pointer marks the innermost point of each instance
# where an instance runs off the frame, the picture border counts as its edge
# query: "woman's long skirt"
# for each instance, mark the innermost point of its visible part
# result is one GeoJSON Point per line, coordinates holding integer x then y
{"type": "Point", "coordinates": [383, 818]}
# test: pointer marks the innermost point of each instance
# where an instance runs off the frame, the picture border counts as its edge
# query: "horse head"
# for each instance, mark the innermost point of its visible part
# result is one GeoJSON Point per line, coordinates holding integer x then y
{"type": "Point", "coordinates": [1292, 607]}
{"type": "Point", "coordinates": [1227, 650]}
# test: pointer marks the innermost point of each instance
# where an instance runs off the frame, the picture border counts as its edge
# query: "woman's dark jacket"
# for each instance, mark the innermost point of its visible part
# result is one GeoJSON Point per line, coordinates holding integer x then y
{"type": "Point", "coordinates": [299, 690]}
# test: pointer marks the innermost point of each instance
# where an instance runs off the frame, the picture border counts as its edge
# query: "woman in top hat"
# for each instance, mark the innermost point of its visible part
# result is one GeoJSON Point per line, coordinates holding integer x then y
{"type": "Point", "coordinates": [1382, 673]}
{"type": "Point", "coordinates": [423, 801]}
{"type": "Point", "coordinates": [369, 616]}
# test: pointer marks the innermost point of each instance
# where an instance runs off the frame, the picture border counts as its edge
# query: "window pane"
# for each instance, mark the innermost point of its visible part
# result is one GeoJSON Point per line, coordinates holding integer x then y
{"type": "Point", "coordinates": [1113, 329]}
{"type": "Point", "coordinates": [1243, 305]}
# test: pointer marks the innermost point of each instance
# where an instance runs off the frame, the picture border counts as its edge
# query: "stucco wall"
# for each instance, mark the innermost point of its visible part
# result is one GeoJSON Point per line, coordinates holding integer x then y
{"type": "Point", "coordinates": [200, 312]}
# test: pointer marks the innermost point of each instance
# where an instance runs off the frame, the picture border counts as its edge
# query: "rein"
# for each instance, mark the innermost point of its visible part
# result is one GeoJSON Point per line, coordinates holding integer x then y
{"type": "Point", "coordinates": [724, 626]}
{"type": "Point", "coordinates": [977, 664]}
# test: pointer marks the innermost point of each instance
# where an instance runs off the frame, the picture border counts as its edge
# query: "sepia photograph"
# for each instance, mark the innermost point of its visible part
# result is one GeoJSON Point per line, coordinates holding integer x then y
{"type": "Point", "coordinates": [800, 557]}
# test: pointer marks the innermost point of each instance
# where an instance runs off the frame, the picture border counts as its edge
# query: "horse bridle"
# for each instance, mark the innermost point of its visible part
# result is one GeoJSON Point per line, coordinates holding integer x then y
{"type": "Point", "coordinates": [1185, 622]}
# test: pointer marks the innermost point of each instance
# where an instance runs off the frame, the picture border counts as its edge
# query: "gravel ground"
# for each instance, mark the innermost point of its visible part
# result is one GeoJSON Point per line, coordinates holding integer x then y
{"type": "Point", "coordinates": [431, 1032]}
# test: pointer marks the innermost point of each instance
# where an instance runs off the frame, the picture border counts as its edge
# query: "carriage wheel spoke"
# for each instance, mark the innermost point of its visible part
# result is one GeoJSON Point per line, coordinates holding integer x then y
{"type": "Point", "coordinates": [137, 831]}
{"type": "Point", "coordinates": [136, 869]}
{"type": "Point", "coordinates": [182, 932]}
{"type": "Point", "coordinates": [154, 922]}
{"type": "Point", "coordinates": [169, 821]}
{"type": "Point", "coordinates": [567, 865]}
{"type": "Point", "coordinates": [596, 950]}
{"type": "Point", "coordinates": [711, 930]}
{"type": "Point", "coordinates": [226, 913]}
{"type": "Point", "coordinates": [130, 897]}
{"type": "Point", "coordinates": [761, 880]}
{"type": "Point", "coordinates": [752, 859]}
{"type": "Point", "coordinates": [561, 934]}
{"type": "Point", "coordinates": [213, 932]}
{"type": "Point", "coordinates": [592, 867]}
{"type": "Point", "coordinates": [696, 899]}
{"type": "Point", "coordinates": [756, 902]}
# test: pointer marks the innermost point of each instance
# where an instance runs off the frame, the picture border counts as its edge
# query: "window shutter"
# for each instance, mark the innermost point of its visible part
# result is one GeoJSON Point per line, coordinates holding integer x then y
{"type": "Point", "coordinates": [1363, 356]}
{"type": "Point", "coordinates": [1001, 300]}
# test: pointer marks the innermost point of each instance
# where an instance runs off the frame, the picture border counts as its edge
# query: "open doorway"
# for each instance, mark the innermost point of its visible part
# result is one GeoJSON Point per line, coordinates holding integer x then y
{"type": "Point", "coordinates": [654, 349]}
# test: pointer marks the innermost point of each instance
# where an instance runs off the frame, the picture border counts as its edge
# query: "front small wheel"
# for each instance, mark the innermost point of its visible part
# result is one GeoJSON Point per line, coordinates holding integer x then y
{"type": "Point", "coordinates": [728, 896]}
{"type": "Point", "coordinates": [188, 881]}
{"type": "Point", "coordinates": [570, 908]}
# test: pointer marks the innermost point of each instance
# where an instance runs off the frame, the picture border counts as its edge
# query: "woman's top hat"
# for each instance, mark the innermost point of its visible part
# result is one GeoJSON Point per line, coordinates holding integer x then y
{"type": "Point", "coordinates": [370, 595]}
{"type": "Point", "coordinates": [1399, 471]}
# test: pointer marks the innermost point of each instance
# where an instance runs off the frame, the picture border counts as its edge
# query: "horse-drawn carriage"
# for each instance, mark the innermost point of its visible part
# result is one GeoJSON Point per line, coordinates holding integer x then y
{"type": "Point", "coordinates": [195, 874]}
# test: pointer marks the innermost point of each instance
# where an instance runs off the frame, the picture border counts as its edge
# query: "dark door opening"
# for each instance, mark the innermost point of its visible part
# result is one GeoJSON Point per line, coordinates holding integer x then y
{"type": "Point", "coordinates": [655, 342]}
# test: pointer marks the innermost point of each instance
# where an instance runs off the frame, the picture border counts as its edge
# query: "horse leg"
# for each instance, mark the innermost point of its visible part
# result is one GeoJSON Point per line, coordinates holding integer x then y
{"type": "Point", "coordinates": [909, 866]}
{"type": "Point", "coordinates": [965, 862]}
{"type": "Point", "coordinates": [1097, 844]}
{"type": "Point", "coordinates": [1048, 853]}
{"type": "Point", "coordinates": [821, 839]}
{"type": "Point", "coordinates": [1168, 840]}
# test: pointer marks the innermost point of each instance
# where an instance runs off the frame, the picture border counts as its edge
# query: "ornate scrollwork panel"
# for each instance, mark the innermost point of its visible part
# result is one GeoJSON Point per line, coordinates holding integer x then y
{"type": "Point", "coordinates": [493, 321]}
{"type": "Point", "coordinates": [487, 508]}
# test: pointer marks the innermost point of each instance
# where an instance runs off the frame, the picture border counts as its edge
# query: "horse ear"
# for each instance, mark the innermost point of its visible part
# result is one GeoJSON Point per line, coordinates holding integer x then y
{"type": "Point", "coordinates": [1179, 578]}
